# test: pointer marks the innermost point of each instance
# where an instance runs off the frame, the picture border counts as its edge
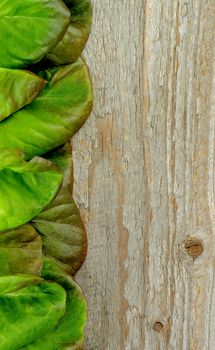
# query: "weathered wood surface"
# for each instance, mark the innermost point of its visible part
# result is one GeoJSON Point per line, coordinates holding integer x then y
{"type": "Point", "coordinates": [145, 176]}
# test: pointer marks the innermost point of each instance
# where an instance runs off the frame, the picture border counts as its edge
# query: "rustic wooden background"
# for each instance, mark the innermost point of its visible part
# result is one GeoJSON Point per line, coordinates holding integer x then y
{"type": "Point", "coordinates": [145, 177]}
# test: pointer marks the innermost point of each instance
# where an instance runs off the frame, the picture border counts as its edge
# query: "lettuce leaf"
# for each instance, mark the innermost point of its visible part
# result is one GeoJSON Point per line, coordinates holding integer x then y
{"type": "Point", "coordinates": [30, 29]}
{"type": "Point", "coordinates": [63, 233]}
{"type": "Point", "coordinates": [62, 158]}
{"type": "Point", "coordinates": [69, 333]}
{"type": "Point", "coordinates": [54, 116]}
{"type": "Point", "coordinates": [71, 46]}
{"type": "Point", "coordinates": [60, 225]}
{"type": "Point", "coordinates": [26, 188]}
{"type": "Point", "coordinates": [21, 251]}
{"type": "Point", "coordinates": [30, 307]}
{"type": "Point", "coordinates": [17, 89]}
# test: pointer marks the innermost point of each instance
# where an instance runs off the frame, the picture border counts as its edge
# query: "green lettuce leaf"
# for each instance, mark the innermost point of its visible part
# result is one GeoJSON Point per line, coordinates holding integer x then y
{"type": "Point", "coordinates": [21, 251]}
{"type": "Point", "coordinates": [62, 158]}
{"type": "Point", "coordinates": [17, 89]}
{"type": "Point", "coordinates": [54, 116]}
{"type": "Point", "coordinates": [41, 307]}
{"type": "Point", "coordinates": [71, 46]}
{"type": "Point", "coordinates": [60, 225]}
{"type": "Point", "coordinates": [26, 188]}
{"type": "Point", "coordinates": [30, 308]}
{"type": "Point", "coordinates": [30, 29]}
{"type": "Point", "coordinates": [63, 233]}
{"type": "Point", "coordinates": [69, 333]}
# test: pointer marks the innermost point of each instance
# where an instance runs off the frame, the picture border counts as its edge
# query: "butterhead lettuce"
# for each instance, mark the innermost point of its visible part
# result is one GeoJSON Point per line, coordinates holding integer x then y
{"type": "Point", "coordinates": [45, 97]}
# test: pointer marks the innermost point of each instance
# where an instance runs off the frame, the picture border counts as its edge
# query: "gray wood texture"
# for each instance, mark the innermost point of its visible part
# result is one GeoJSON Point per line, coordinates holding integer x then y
{"type": "Point", "coordinates": [145, 177]}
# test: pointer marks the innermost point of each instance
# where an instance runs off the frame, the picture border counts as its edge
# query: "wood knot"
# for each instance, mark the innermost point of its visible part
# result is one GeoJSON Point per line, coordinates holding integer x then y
{"type": "Point", "coordinates": [158, 326]}
{"type": "Point", "coordinates": [194, 247]}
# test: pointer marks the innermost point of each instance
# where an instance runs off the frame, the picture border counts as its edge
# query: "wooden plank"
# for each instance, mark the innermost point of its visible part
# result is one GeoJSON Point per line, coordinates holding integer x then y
{"type": "Point", "coordinates": [144, 176]}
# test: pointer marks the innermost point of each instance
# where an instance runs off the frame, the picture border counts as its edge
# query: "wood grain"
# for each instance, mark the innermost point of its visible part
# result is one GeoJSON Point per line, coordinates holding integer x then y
{"type": "Point", "coordinates": [144, 176]}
